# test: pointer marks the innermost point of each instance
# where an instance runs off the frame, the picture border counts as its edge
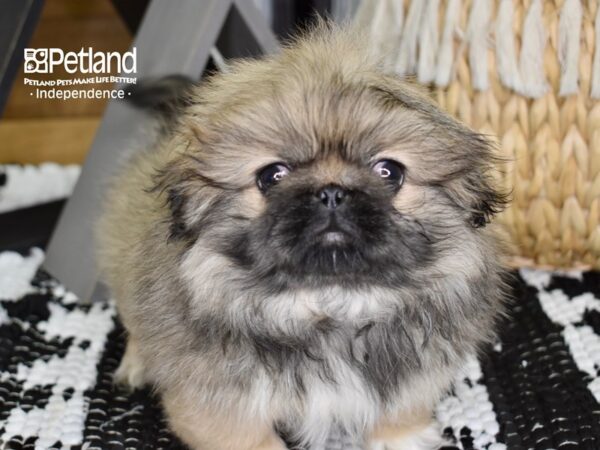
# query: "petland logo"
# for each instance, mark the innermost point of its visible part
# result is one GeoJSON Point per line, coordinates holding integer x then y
{"type": "Point", "coordinates": [45, 60]}
{"type": "Point", "coordinates": [96, 68]}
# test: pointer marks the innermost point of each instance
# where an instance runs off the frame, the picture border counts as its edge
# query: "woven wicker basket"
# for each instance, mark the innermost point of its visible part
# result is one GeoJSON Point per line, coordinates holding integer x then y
{"type": "Point", "coordinates": [523, 72]}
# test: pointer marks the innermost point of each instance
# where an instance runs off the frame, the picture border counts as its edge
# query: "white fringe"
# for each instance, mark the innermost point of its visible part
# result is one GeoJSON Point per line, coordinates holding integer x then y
{"type": "Point", "coordinates": [428, 42]}
{"type": "Point", "coordinates": [363, 17]}
{"type": "Point", "coordinates": [569, 32]}
{"type": "Point", "coordinates": [506, 55]}
{"type": "Point", "coordinates": [385, 29]}
{"type": "Point", "coordinates": [477, 37]}
{"type": "Point", "coordinates": [595, 91]}
{"type": "Point", "coordinates": [397, 24]}
{"type": "Point", "coordinates": [407, 55]}
{"type": "Point", "coordinates": [531, 63]}
{"type": "Point", "coordinates": [412, 45]}
{"type": "Point", "coordinates": [445, 61]}
{"type": "Point", "coordinates": [379, 32]}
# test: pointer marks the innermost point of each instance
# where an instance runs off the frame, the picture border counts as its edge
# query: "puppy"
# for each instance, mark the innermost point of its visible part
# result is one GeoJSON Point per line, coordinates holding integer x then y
{"type": "Point", "coordinates": [307, 249]}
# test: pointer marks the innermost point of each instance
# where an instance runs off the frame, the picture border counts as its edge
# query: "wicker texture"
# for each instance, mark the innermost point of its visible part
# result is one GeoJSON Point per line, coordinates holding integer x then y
{"type": "Point", "coordinates": [552, 142]}
{"type": "Point", "coordinates": [537, 103]}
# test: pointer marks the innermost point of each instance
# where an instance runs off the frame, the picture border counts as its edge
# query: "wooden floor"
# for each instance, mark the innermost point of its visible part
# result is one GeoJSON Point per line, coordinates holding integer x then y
{"type": "Point", "coordinates": [35, 130]}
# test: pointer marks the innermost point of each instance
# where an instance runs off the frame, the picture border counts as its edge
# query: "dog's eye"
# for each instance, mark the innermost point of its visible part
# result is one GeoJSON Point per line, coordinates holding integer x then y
{"type": "Point", "coordinates": [270, 175]}
{"type": "Point", "coordinates": [391, 171]}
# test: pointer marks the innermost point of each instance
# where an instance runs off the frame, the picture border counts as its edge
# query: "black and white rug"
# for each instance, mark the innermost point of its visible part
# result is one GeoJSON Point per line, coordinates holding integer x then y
{"type": "Point", "coordinates": [31, 199]}
{"type": "Point", "coordinates": [537, 388]}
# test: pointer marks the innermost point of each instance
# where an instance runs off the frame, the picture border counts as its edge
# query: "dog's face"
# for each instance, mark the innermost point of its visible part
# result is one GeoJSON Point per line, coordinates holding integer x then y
{"type": "Point", "coordinates": [305, 175]}
{"type": "Point", "coordinates": [334, 219]}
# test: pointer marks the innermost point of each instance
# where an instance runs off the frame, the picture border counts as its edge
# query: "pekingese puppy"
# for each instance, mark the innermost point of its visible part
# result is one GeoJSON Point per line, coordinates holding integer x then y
{"type": "Point", "coordinates": [307, 249]}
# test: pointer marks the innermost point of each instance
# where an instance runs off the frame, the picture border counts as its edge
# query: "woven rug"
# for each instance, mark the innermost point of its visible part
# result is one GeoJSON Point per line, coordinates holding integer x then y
{"type": "Point", "coordinates": [537, 388]}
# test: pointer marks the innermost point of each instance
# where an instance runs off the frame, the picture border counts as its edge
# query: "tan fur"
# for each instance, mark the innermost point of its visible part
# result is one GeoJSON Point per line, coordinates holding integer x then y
{"type": "Point", "coordinates": [251, 203]}
{"type": "Point", "coordinates": [130, 372]}
{"type": "Point", "coordinates": [331, 170]}
{"type": "Point", "coordinates": [208, 429]}
{"type": "Point", "coordinates": [292, 107]}
{"type": "Point", "coordinates": [418, 434]}
{"type": "Point", "coordinates": [397, 427]}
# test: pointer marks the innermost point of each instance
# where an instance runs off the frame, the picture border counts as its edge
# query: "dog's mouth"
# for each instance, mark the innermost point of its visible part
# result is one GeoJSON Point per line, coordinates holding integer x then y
{"type": "Point", "coordinates": [334, 233]}
{"type": "Point", "coordinates": [331, 251]}
{"type": "Point", "coordinates": [310, 244]}
{"type": "Point", "coordinates": [333, 237]}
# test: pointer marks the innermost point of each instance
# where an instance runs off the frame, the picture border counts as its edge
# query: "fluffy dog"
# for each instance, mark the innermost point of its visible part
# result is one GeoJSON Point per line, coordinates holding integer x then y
{"type": "Point", "coordinates": [307, 249]}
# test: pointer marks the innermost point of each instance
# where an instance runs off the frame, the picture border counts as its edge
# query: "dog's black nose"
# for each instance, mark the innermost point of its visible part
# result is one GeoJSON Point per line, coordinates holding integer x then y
{"type": "Point", "coordinates": [331, 196]}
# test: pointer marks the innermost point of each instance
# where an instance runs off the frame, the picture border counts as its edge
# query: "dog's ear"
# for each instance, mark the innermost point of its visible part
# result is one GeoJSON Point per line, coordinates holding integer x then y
{"type": "Point", "coordinates": [172, 183]}
{"type": "Point", "coordinates": [474, 185]}
{"type": "Point", "coordinates": [177, 200]}
{"type": "Point", "coordinates": [187, 194]}
{"type": "Point", "coordinates": [477, 191]}
{"type": "Point", "coordinates": [468, 178]}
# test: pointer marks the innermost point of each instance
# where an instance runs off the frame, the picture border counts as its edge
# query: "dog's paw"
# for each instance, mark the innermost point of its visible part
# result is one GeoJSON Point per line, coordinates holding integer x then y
{"type": "Point", "coordinates": [376, 446]}
{"type": "Point", "coordinates": [130, 372]}
{"type": "Point", "coordinates": [428, 438]}
{"type": "Point", "coordinates": [272, 444]}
